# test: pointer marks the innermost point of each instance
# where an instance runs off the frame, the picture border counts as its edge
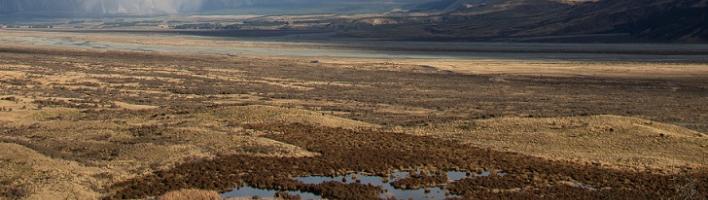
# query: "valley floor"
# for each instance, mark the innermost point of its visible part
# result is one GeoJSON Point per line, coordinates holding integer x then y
{"type": "Point", "coordinates": [85, 124]}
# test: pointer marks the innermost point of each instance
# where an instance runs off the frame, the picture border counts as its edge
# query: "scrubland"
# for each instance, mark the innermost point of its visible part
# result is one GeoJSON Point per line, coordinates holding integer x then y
{"type": "Point", "coordinates": [85, 124]}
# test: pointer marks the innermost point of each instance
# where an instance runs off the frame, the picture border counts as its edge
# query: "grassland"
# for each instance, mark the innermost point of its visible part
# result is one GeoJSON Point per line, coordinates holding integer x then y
{"type": "Point", "coordinates": [87, 124]}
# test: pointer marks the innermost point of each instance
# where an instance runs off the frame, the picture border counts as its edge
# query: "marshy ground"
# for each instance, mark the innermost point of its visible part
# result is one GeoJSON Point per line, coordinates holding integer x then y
{"type": "Point", "coordinates": [90, 124]}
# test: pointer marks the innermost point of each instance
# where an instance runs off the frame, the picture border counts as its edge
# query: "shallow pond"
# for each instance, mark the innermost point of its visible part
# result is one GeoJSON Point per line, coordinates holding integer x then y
{"type": "Point", "coordinates": [251, 192]}
{"type": "Point", "coordinates": [434, 192]}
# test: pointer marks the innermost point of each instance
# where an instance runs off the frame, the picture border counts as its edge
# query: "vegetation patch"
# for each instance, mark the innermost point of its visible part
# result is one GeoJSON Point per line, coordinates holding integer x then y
{"type": "Point", "coordinates": [375, 152]}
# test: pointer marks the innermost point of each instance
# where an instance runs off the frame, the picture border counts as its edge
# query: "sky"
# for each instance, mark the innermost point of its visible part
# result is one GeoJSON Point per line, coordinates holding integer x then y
{"type": "Point", "coordinates": [152, 7]}
{"type": "Point", "coordinates": [100, 6]}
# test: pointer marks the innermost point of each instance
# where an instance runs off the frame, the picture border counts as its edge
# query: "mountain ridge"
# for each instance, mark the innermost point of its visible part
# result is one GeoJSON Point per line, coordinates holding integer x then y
{"type": "Point", "coordinates": [100, 8]}
{"type": "Point", "coordinates": [522, 20]}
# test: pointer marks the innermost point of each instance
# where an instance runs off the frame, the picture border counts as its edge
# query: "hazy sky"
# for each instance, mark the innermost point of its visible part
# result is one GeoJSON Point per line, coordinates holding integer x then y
{"type": "Point", "coordinates": [154, 6]}
{"type": "Point", "coordinates": [140, 6]}
{"type": "Point", "coordinates": [98, 6]}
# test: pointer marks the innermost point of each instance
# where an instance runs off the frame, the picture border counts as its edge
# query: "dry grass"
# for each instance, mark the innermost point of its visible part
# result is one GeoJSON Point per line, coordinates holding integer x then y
{"type": "Point", "coordinates": [46, 178]}
{"type": "Point", "coordinates": [278, 115]}
{"type": "Point", "coordinates": [129, 106]}
{"type": "Point", "coordinates": [613, 140]}
{"type": "Point", "coordinates": [559, 68]}
{"type": "Point", "coordinates": [121, 115]}
{"type": "Point", "coordinates": [24, 112]}
{"type": "Point", "coordinates": [76, 144]}
{"type": "Point", "coordinates": [191, 194]}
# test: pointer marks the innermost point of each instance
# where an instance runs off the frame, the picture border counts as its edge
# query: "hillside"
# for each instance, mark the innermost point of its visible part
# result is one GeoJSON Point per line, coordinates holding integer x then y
{"type": "Point", "coordinates": [543, 20]}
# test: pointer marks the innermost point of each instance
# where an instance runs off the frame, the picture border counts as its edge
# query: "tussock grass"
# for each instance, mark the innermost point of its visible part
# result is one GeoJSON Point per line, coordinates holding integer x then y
{"type": "Point", "coordinates": [41, 177]}
{"type": "Point", "coordinates": [128, 114]}
{"type": "Point", "coordinates": [606, 139]}
{"type": "Point", "coordinates": [121, 146]}
{"type": "Point", "coordinates": [191, 194]}
{"type": "Point", "coordinates": [258, 114]}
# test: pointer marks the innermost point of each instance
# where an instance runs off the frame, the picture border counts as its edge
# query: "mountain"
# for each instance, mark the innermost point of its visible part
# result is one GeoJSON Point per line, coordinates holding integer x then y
{"type": "Point", "coordinates": [542, 20]}
{"type": "Point", "coordinates": [685, 20]}
{"type": "Point", "coordinates": [476, 20]}
{"type": "Point", "coordinates": [99, 8]}
{"type": "Point", "coordinates": [51, 8]}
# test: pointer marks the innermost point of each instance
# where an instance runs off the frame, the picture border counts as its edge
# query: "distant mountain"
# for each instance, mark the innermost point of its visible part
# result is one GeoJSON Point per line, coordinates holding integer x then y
{"type": "Point", "coordinates": [543, 20]}
{"type": "Point", "coordinates": [50, 8]}
{"type": "Point", "coordinates": [685, 20]}
{"type": "Point", "coordinates": [98, 8]}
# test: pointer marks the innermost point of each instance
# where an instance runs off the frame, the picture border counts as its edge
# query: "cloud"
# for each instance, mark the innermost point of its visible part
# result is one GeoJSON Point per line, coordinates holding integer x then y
{"type": "Point", "coordinates": [139, 7]}
{"type": "Point", "coordinates": [92, 8]}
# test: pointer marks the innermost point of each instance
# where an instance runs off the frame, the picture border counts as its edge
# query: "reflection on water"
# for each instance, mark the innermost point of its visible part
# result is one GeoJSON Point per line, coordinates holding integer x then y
{"type": "Point", "coordinates": [385, 183]}
{"type": "Point", "coordinates": [256, 193]}
{"type": "Point", "coordinates": [453, 176]}
{"type": "Point", "coordinates": [425, 193]}
{"type": "Point", "coordinates": [489, 173]}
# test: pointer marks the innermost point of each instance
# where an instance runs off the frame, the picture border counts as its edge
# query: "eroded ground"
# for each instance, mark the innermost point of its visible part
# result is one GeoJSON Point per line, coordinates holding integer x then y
{"type": "Point", "coordinates": [105, 124]}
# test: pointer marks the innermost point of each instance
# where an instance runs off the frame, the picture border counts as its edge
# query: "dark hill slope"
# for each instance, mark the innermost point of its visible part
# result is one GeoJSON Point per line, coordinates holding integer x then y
{"type": "Point", "coordinates": [545, 20]}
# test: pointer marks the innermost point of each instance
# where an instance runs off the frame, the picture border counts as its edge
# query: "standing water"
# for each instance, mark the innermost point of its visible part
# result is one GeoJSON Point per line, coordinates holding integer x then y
{"type": "Point", "coordinates": [425, 193]}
